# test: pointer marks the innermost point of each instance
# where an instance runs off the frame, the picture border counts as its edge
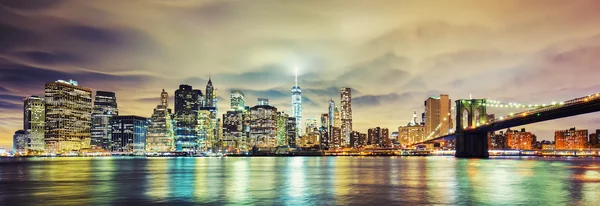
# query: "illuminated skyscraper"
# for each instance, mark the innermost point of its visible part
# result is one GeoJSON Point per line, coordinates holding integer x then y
{"type": "Point", "coordinates": [129, 134]}
{"type": "Point", "coordinates": [282, 132]}
{"type": "Point", "coordinates": [208, 128]}
{"type": "Point", "coordinates": [346, 113]}
{"type": "Point", "coordinates": [311, 125]}
{"type": "Point", "coordinates": [297, 105]}
{"type": "Point", "coordinates": [337, 120]}
{"type": "Point", "coordinates": [210, 94]}
{"type": "Point", "coordinates": [331, 113]}
{"type": "Point", "coordinates": [68, 116]}
{"type": "Point", "coordinates": [105, 108]}
{"type": "Point", "coordinates": [185, 118]}
{"type": "Point", "coordinates": [290, 126]}
{"type": "Point", "coordinates": [33, 122]}
{"type": "Point", "coordinates": [437, 112]}
{"type": "Point", "coordinates": [234, 137]}
{"type": "Point", "coordinates": [164, 98]}
{"type": "Point", "coordinates": [238, 100]}
{"type": "Point", "coordinates": [263, 126]}
{"type": "Point", "coordinates": [160, 136]}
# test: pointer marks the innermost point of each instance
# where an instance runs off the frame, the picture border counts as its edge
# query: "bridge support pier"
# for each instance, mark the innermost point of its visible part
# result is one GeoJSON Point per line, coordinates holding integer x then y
{"type": "Point", "coordinates": [472, 145]}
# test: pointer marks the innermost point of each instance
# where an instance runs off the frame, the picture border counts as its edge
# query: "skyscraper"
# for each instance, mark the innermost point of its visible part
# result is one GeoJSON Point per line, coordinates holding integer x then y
{"type": "Point", "coordinates": [210, 94]}
{"type": "Point", "coordinates": [234, 137]}
{"type": "Point", "coordinates": [164, 98]}
{"type": "Point", "coordinates": [129, 134]}
{"type": "Point", "coordinates": [105, 108]}
{"type": "Point", "coordinates": [238, 100]}
{"type": "Point", "coordinates": [185, 117]}
{"type": "Point", "coordinates": [437, 112]}
{"type": "Point", "coordinates": [33, 122]}
{"type": "Point", "coordinates": [346, 113]}
{"type": "Point", "coordinates": [208, 128]}
{"type": "Point", "coordinates": [290, 126]}
{"type": "Point", "coordinates": [282, 132]}
{"type": "Point", "coordinates": [297, 105]}
{"type": "Point", "coordinates": [263, 126]}
{"type": "Point", "coordinates": [160, 136]}
{"type": "Point", "coordinates": [68, 116]}
{"type": "Point", "coordinates": [379, 137]}
{"type": "Point", "coordinates": [337, 120]}
{"type": "Point", "coordinates": [331, 113]}
{"type": "Point", "coordinates": [311, 125]}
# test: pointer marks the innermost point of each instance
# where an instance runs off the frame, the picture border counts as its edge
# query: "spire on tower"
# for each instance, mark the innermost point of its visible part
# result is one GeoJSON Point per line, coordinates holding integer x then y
{"type": "Point", "coordinates": [296, 75]}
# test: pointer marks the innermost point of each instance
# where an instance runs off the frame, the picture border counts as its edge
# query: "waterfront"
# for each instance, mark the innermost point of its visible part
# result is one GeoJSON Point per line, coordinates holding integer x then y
{"type": "Point", "coordinates": [299, 181]}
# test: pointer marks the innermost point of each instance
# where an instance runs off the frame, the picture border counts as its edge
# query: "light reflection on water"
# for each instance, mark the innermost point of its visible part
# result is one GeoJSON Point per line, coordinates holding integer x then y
{"type": "Point", "coordinates": [299, 181]}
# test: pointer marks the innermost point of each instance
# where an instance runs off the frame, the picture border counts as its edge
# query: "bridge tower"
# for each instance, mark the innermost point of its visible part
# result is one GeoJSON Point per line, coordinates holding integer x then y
{"type": "Point", "coordinates": [471, 113]}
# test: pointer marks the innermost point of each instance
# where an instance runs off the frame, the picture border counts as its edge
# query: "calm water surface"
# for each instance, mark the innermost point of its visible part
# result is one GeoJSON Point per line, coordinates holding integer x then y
{"type": "Point", "coordinates": [299, 181]}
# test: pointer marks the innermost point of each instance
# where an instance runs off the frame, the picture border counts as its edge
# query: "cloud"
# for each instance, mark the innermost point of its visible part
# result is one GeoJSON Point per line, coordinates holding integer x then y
{"type": "Point", "coordinates": [30, 5]}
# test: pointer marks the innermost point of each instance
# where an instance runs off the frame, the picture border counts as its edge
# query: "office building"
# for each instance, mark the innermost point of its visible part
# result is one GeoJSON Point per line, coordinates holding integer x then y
{"type": "Point", "coordinates": [208, 129]}
{"type": "Point", "coordinates": [411, 133]}
{"type": "Point", "coordinates": [311, 125]}
{"type": "Point", "coordinates": [336, 137]}
{"type": "Point", "coordinates": [33, 122]}
{"type": "Point", "coordinates": [68, 117]}
{"type": "Point", "coordinates": [571, 139]}
{"type": "Point", "coordinates": [20, 142]}
{"type": "Point", "coordinates": [129, 134]}
{"type": "Point", "coordinates": [282, 130]}
{"type": "Point", "coordinates": [164, 99]}
{"type": "Point", "coordinates": [234, 136]}
{"type": "Point", "coordinates": [290, 126]}
{"type": "Point", "coordinates": [238, 100]}
{"type": "Point", "coordinates": [160, 136]}
{"type": "Point", "coordinates": [263, 126]}
{"type": "Point", "coordinates": [105, 108]}
{"type": "Point", "coordinates": [379, 137]}
{"type": "Point", "coordinates": [437, 112]}
{"type": "Point", "coordinates": [354, 139]}
{"type": "Point", "coordinates": [346, 114]}
{"type": "Point", "coordinates": [187, 104]}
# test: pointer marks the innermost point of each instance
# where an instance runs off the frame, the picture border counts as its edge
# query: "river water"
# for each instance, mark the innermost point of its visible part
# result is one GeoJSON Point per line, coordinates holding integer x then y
{"type": "Point", "coordinates": [299, 181]}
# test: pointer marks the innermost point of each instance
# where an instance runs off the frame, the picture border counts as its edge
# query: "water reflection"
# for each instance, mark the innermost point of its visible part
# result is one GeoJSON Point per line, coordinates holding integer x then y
{"type": "Point", "coordinates": [299, 181]}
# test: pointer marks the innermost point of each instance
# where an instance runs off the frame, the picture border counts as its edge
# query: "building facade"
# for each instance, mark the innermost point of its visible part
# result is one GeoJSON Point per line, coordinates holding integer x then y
{"type": "Point", "coordinates": [238, 100]}
{"type": "Point", "coordinates": [234, 136]}
{"type": "Point", "coordinates": [20, 142]}
{"type": "Point", "coordinates": [520, 139]}
{"type": "Point", "coordinates": [290, 126]}
{"type": "Point", "coordinates": [68, 117]}
{"type": "Point", "coordinates": [282, 130]}
{"type": "Point", "coordinates": [263, 126]}
{"type": "Point", "coordinates": [129, 134]}
{"type": "Point", "coordinates": [346, 114]}
{"type": "Point", "coordinates": [33, 122]}
{"type": "Point", "coordinates": [105, 108]}
{"type": "Point", "coordinates": [437, 112]}
{"type": "Point", "coordinates": [571, 139]}
{"type": "Point", "coordinates": [187, 104]}
{"type": "Point", "coordinates": [160, 136]}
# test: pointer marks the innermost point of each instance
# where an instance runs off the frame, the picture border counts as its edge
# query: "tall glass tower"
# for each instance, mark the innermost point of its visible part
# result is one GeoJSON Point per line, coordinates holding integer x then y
{"type": "Point", "coordinates": [297, 105]}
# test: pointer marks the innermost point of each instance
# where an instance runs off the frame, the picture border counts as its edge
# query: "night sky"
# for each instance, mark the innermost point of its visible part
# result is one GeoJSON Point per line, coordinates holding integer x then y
{"type": "Point", "coordinates": [394, 54]}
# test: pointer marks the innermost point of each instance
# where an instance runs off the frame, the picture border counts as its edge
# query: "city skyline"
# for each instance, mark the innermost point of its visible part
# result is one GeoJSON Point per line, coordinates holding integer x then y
{"type": "Point", "coordinates": [392, 66]}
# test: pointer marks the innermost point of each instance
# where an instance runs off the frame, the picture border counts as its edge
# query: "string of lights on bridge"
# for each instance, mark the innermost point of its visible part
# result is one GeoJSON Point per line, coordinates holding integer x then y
{"type": "Point", "coordinates": [499, 104]}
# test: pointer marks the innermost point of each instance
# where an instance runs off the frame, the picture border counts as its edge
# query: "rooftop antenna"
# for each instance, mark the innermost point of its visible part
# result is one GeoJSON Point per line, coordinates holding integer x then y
{"type": "Point", "coordinates": [470, 96]}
